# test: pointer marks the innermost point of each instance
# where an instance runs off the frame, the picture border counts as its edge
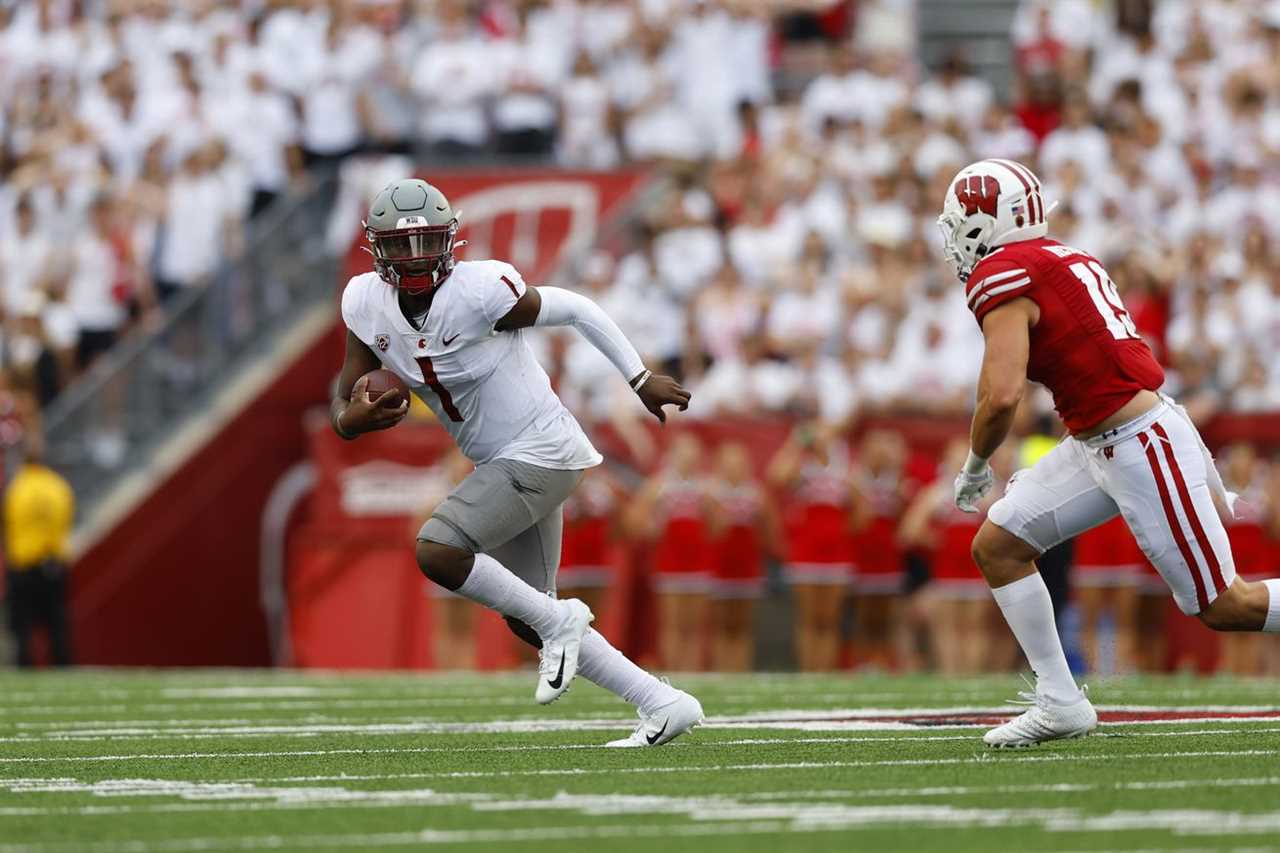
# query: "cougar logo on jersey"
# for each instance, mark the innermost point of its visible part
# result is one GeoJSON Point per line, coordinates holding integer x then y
{"type": "Point", "coordinates": [382, 342]}
{"type": "Point", "coordinates": [978, 193]}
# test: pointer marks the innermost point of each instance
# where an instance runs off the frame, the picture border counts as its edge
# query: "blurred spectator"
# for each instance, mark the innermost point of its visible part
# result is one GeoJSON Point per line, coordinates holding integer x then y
{"type": "Point", "coordinates": [592, 533]}
{"type": "Point", "coordinates": [882, 493]}
{"type": "Point", "coordinates": [803, 190]}
{"type": "Point", "coordinates": [811, 475]}
{"type": "Point", "coordinates": [1105, 576]}
{"type": "Point", "coordinates": [962, 612]}
{"type": "Point", "coordinates": [670, 514]}
{"type": "Point", "coordinates": [744, 532]}
{"type": "Point", "coordinates": [39, 508]}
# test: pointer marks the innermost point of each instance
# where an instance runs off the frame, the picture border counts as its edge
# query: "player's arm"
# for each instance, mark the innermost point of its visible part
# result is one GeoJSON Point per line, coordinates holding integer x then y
{"type": "Point", "coordinates": [353, 411]}
{"type": "Point", "coordinates": [554, 306]}
{"type": "Point", "coordinates": [1007, 330]}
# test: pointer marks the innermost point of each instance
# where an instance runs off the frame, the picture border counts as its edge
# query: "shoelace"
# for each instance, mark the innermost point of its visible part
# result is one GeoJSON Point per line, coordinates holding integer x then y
{"type": "Point", "coordinates": [1027, 697]}
{"type": "Point", "coordinates": [545, 666]}
{"type": "Point", "coordinates": [1033, 698]}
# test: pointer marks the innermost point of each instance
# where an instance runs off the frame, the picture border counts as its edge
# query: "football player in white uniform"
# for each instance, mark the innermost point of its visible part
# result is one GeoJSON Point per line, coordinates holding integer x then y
{"type": "Point", "coordinates": [452, 330]}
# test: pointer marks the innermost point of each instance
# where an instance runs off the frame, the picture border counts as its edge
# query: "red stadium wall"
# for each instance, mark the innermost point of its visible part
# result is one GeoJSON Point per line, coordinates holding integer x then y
{"type": "Point", "coordinates": [176, 583]}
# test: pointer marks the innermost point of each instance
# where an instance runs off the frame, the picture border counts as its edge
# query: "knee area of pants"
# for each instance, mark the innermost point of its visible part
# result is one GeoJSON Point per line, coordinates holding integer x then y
{"type": "Point", "coordinates": [437, 560]}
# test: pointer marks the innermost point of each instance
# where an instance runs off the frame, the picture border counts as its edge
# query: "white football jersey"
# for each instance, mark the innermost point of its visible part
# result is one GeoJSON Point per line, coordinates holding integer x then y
{"type": "Point", "coordinates": [485, 387]}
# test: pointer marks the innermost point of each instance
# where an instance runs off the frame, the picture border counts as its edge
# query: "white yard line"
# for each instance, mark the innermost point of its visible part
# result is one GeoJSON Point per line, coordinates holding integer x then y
{"type": "Point", "coordinates": [978, 758]}
{"type": "Point", "coordinates": [735, 742]}
{"type": "Point", "coordinates": [707, 816]}
{"type": "Point", "coordinates": [247, 797]}
{"type": "Point", "coordinates": [239, 730]}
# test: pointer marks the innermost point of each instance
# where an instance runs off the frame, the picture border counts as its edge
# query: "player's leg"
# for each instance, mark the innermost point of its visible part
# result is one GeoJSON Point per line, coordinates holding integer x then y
{"type": "Point", "coordinates": [669, 645]}
{"type": "Point", "coordinates": [665, 712]}
{"type": "Point", "coordinates": [21, 614]}
{"type": "Point", "coordinates": [1089, 604]}
{"type": "Point", "coordinates": [1124, 618]}
{"type": "Point", "coordinates": [973, 634]}
{"type": "Point", "coordinates": [827, 607]}
{"type": "Point", "coordinates": [1160, 479]}
{"type": "Point", "coordinates": [1054, 501]}
{"type": "Point", "coordinates": [693, 623]}
{"type": "Point", "coordinates": [494, 504]}
{"type": "Point", "coordinates": [734, 638]}
{"type": "Point", "coordinates": [452, 629]}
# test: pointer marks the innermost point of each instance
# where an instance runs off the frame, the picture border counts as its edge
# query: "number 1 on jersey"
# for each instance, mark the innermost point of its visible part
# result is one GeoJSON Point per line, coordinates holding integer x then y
{"type": "Point", "coordinates": [446, 399]}
{"type": "Point", "coordinates": [1102, 290]}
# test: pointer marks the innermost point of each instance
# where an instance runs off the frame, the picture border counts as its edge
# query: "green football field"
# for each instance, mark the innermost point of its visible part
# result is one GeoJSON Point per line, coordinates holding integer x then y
{"type": "Point", "coordinates": [240, 760]}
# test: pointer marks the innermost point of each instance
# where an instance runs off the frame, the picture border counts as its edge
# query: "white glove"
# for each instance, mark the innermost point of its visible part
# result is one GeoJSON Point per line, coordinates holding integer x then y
{"type": "Point", "coordinates": [972, 483]}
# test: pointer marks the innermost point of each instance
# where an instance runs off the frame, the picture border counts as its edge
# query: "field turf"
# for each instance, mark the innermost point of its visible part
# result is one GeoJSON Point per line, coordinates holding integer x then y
{"type": "Point", "coordinates": [237, 760]}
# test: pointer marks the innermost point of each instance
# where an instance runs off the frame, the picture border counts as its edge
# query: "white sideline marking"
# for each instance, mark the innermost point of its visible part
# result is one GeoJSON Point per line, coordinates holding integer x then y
{"type": "Point", "coordinates": [779, 742]}
{"type": "Point", "coordinates": [242, 796]}
{"type": "Point", "coordinates": [264, 691]}
{"type": "Point", "coordinates": [707, 817]}
{"type": "Point", "coordinates": [782, 720]}
{"type": "Point", "coordinates": [979, 758]}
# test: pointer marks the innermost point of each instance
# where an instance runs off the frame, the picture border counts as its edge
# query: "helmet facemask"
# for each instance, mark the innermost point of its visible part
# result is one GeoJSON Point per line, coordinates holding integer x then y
{"type": "Point", "coordinates": [965, 240]}
{"type": "Point", "coordinates": [414, 256]}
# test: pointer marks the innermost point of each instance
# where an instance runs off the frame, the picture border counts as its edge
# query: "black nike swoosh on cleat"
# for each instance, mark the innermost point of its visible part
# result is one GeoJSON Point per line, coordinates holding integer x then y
{"type": "Point", "coordinates": [655, 738]}
{"type": "Point", "coordinates": [447, 341]}
{"type": "Point", "coordinates": [555, 683]}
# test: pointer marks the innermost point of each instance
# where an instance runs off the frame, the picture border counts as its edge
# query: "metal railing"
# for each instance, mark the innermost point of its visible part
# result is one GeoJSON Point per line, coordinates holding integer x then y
{"type": "Point", "coordinates": [114, 417]}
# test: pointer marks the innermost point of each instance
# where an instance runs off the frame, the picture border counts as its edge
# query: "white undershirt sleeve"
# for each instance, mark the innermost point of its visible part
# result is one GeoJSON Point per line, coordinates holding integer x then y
{"type": "Point", "coordinates": [562, 307]}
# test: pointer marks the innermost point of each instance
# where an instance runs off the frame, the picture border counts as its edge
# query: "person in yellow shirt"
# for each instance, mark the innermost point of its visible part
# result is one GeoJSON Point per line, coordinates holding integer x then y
{"type": "Point", "coordinates": [39, 508]}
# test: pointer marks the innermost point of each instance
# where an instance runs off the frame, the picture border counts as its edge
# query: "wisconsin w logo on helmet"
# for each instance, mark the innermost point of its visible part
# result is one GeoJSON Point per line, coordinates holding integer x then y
{"type": "Point", "coordinates": [978, 193]}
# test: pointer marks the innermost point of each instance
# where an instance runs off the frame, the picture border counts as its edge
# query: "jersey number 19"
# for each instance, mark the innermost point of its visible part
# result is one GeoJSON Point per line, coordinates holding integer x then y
{"type": "Point", "coordinates": [1102, 290]}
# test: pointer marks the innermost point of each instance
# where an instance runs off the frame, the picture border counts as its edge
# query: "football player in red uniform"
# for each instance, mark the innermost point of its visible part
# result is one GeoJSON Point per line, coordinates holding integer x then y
{"type": "Point", "coordinates": [1051, 314]}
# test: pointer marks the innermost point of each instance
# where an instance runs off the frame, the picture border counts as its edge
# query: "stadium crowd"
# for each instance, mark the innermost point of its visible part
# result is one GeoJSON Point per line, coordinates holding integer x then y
{"type": "Point", "coordinates": [794, 257]}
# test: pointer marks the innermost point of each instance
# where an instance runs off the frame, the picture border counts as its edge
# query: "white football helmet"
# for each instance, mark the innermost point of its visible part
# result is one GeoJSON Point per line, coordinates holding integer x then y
{"type": "Point", "coordinates": [988, 204]}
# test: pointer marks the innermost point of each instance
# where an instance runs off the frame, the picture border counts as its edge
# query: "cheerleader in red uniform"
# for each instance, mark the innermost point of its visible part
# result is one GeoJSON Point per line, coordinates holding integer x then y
{"type": "Point", "coordinates": [590, 531]}
{"type": "Point", "coordinates": [743, 531]}
{"type": "Point", "coordinates": [671, 512]}
{"type": "Point", "coordinates": [960, 605]}
{"type": "Point", "coordinates": [880, 498]}
{"type": "Point", "coordinates": [811, 474]}
{"type": "Point", "coordinates": [1106, 569]}
{"type": "Point", "coordinates": [1251, 547]}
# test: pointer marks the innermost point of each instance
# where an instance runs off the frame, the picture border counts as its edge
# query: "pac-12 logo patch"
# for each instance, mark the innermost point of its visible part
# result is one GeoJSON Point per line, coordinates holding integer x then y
{"type": "Point", "coordinates": [382, 342]}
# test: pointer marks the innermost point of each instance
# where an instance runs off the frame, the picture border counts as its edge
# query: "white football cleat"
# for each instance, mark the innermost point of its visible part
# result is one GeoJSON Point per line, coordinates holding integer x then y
{"type": "Point", "coordinates": [665, 724]}
{"type": "Point", "coordinates": [559, 656]}
{"type": "Point", "coordinates": [1044, 720]}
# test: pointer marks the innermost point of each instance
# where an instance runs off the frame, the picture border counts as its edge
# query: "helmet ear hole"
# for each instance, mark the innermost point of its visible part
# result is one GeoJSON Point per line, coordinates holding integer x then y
{"type": "Point", "coordinates": [974, 233]}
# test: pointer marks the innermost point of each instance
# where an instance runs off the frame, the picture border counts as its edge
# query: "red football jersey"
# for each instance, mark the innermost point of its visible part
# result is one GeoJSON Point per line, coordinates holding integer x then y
{"type": "Point", "coordinates": [1085, 349]}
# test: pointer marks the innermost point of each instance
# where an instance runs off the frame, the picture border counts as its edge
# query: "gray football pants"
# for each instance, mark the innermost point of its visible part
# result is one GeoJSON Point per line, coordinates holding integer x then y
{"type": "Point", "coordinates": [511, 511]}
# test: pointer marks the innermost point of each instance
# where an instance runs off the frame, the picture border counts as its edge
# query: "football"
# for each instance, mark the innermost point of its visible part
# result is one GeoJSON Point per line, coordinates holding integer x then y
{"type": "Point", "coordinates": [383, 380]}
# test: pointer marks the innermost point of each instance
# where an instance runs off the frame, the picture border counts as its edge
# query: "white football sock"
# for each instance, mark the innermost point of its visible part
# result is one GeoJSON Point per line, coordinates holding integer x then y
{"type": "Point", "coordinates": [1272, 625]}
{"type": "Point", "coordinates": [602, 664]}
{"type": "Point", "coordinates": [492, 585]}
{"type": "Point", "coordinates": [1028, 609]}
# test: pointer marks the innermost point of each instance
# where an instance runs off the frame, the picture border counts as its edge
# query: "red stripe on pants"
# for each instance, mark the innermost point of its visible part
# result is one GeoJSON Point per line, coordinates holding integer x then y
{"type": "Point", "coordinates": [1215, 570]}
{"type": "Point", "coordinates": [1172, 517]}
